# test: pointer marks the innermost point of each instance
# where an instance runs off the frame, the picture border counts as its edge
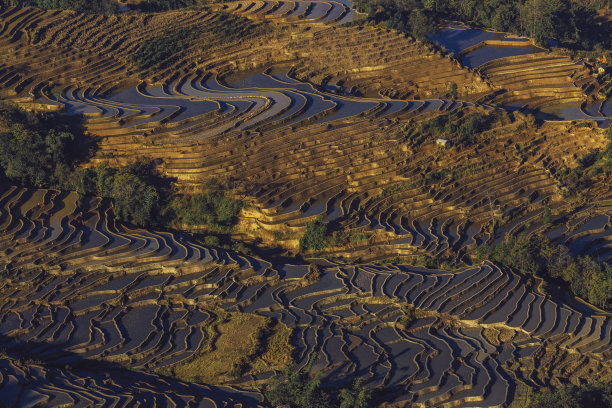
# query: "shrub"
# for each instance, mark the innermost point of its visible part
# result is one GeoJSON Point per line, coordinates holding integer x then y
{"type": "Point", "coordinates": [314, 237]}
{"type": "Point", "coordinates": [213, 209]}
{"type": "Point", "coordinates": [453, 90]}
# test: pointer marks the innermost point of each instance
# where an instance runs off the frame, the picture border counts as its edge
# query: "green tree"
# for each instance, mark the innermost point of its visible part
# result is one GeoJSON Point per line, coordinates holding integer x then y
{"type": "Point", "coordinates": [314, 237]}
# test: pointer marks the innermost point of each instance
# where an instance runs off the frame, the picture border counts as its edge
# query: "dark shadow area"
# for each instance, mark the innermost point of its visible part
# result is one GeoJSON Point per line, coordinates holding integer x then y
{"type": "Point", "coordinates": [124, 380]}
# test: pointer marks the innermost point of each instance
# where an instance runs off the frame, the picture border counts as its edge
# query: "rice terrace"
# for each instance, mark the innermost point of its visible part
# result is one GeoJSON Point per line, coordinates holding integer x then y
{"type": "Point", "coordinates": [304, 204]}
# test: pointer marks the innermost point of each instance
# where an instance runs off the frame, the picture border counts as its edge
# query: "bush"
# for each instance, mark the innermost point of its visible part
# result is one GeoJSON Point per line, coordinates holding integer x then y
{"type": "Point", "coordinates": [314, 237]}
{"type": "Point", "coordinates": [214, 209]}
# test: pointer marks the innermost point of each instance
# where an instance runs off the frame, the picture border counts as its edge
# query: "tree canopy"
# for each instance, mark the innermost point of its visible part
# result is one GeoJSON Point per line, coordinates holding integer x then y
{"type": "Point", "coordinates": [35, 149]}
{"type": "Point", "coordinates": [566, 21]}
{"type": "Point", "coordinates": [87, 6]}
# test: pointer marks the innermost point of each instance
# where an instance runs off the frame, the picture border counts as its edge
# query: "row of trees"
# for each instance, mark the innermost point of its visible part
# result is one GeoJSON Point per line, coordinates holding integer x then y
{"type": "Point", "coordinates": [566, 21]}
{"type": "Point", "coordinates": [162, 5]}
{"type": "Point", "coordinates": [87, 6]}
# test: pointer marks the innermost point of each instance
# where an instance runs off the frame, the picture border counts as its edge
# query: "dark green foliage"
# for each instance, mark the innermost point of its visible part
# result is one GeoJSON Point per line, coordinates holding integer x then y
{"type": "Point", "coordinates": [299, 389]}
{"type": "Point", "coordinates": [41, 150]}
{"type": "Point", "coordinates": [87, 6]}
{"type": "Point", "coordinates": [457, 127]}
{"type": "Point", "coordinates": [409, 17]}
{"type": "Point", "coordinates": [160, 50]}
{"type": "Point", "coordinates": [570, 396]}
{"type": "Point", "coordinates": [162, 5]}
{"type": "Point", "coordinates": [134, 189]}
{"type": "Point", "coordinates": [314, 237]}
{"type": "Point", "coordinates": [564, 20]}
{"type": "Point", "coordinates": [537, 255]}
{"type": "Point", "coordinates": [35, 149]}
{"type": "Point", "coordinates": [214, 209]}
{"type": "Point", "coordinates": [527, 254]}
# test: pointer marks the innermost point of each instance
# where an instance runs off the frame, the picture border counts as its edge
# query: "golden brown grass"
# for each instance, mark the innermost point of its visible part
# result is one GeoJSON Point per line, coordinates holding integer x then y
{"type": "Point", "coordinates": [235, 339]}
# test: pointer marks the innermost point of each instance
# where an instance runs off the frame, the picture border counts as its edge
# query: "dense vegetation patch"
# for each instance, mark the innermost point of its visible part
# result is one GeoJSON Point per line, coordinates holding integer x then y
{"type": "Point", "coordinates": [162, 5]}
{"type": "Point", "coordinates": [536, 255]}
{"type": "Point", "coordinates": [301, 389]}
{"type": "Point", "coordinates": [216, 209]}
{"type": "Point", "coordinates": [569, 22]}
{"type": "Point", "coordinates": [458, 127]}
{"type": "Point", "coordinates": [135, 189]}
{"type": "Point", "coordinates": [315, 236]}
{"type": "Point", "coordinates": [43, 151]}
{"type": "Point", "coordinates": [37, 149]}
{"type": "Point", "coordinates": [571, 396]}
{"type": "Point", "coordinates": [87, 6]}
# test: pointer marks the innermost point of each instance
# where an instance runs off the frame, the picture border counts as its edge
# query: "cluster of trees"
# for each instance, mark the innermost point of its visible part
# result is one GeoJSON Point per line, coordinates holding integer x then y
{"type": "Point", "coordinates": [564, 20]}
{"type": "Point", "coordinates": [213, 208]}
{"type": "Point", "coordinates": [536, 255]}
{"type": "Point", "coordinates": [35, 149]}
{"type": "Point", "coordinates": [162, 5]}
{"type": "Point", "coordinates": [315, 236]}
{"type": "Point", "coordinates": [458, 127]}
{"type": "Point", "coordinates": [593, 165]}
{"type": "Point", "coordinates": [43, 151]}
{"type": "Point", "coordinates": [162, 49]}
{"type": "Point", "coordinates": [135, 189]}
{"type": "Point", "coordinates": [571, 396]}
{"type": "Point", "coordinates": [300, 389]}
{"type": "Point", "coordinates": [86, 6]}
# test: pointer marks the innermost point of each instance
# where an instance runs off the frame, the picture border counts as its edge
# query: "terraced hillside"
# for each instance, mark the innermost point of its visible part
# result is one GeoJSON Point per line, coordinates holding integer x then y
{"type": "Point", "coordinates": [311, 12]}
{"type": "Point", "coordinates": [400, 153]}
{"type": "Point", "coordinates": [408, 198]}
{"type": "Point", "coordinates": [79, 285]}
{"type": "Point", "coordinates": [27, 31]}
